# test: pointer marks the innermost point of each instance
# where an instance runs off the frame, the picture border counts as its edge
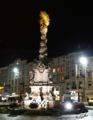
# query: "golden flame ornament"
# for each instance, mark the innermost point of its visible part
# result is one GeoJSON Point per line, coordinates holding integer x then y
{"type": "Point", "coordinates": [44, 19]}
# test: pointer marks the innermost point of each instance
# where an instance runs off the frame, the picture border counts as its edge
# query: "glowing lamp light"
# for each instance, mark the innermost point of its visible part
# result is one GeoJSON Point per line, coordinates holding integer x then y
{"type": "Point", "coordinates": [15, 70]}
{"type": "Point", "coordinates": [68, 105]}
{"type": "Point", "coordinates": [83, 60]}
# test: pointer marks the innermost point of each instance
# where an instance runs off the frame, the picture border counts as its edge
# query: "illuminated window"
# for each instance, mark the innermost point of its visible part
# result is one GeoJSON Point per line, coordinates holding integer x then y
{"type": "Point", "coordinates": [2, 90]}
{"type": "Point", "coordinates": [63, 68]}
{"type": "Point", "coordinates": [54, 71]}
{"type": "Point", "coordinates": [0, 71]}
{"type": "Point", "coordinates": [80, 85]}
{"type": "Point", "coordinates": [63, 77]}
{"type": "Point", "coordinates": [58, 69]}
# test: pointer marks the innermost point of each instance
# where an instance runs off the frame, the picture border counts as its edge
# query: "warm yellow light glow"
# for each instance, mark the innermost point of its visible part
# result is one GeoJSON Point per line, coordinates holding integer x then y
{"type": "Point", "coordinates": [4, 84]}
{"type": "Point", "coordinates": [1, 87]}
{"type": "Point", "coordinates": [44, 19]}
{"type": "Point", "coordinates": [58, 97]}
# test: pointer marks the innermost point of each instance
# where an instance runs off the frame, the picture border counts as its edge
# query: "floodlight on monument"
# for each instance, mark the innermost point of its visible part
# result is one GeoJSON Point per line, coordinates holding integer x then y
{"type": "Point", "coordinates": [83, 60]}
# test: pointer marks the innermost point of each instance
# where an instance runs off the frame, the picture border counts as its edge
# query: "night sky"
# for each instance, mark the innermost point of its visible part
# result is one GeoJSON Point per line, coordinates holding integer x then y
{"type": "Point", "coordinates": [70, 29]}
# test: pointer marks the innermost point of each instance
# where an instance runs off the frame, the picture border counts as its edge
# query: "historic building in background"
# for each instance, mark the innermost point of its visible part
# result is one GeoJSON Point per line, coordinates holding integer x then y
{"type": "Point", "coordinates": [70, 77]}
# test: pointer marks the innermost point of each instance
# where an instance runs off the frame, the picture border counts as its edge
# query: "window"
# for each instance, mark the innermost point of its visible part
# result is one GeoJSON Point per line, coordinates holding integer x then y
{"type": "Point", "coordinates": [73, 71]}
{"type": "Point", "coordinates": [72, 61]}
{"type": "Point", "coordinates": [2, 90]}
{"type": "Point", "coordinates": [58, 69]}
{"type": "Point", "coordinates": [73, 85]}
{"type": "Point", "coordinates": [53, 78]}
{"type": "Point", "coordinates": [58, 77]}
{"type": "Point", "coordinates": [73, 74]}
{"type": "Point", "coordinates": [63, 68]}
{"type": "Point", "coordinates": [68, 86]}
{"type": "Point", "coordinates": [15, 81]}
{"type": "Point", "coordinates": [80, 85]}
{"type": "Point", "coordinates": [89, 85]}
{"type": "Point", "coordinates": [89, 73]}
{"type": "Point", "coordinates": [54, 71]}
{"type": "Point", "coordinates": [63, 77]}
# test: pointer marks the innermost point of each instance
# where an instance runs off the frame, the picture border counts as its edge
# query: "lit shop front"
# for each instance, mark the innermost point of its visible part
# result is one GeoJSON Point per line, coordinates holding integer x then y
{"type": "Point", "coordinates": [1, 89]}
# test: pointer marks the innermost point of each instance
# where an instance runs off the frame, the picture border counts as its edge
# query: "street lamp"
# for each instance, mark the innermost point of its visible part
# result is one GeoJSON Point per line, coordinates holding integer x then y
{"type": "Point", "coordinates": [15, 70]}
{"type": "Point", "coordinates": [68, 106]}
{"type": "Point", "coordinates": [83, 60]}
